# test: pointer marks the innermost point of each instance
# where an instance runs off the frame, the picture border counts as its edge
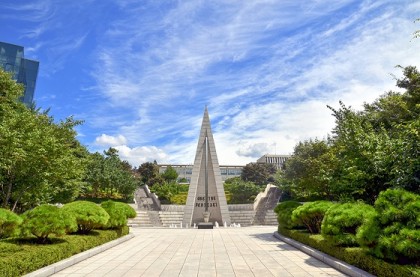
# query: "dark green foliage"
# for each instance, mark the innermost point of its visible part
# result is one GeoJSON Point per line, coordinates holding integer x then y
{"type": "Point", "coordinates": [19, 257]}
{"type": "Point", "coordinates": [341, 222]}
{"type": "Point", "coordinates": [241, 192]}
{"type": "Point", "coordinates": [394, 232]}
{"type": "Point", "coordinates": [40, 160]}
{"type": "Point", "coordinates": [9, 222]}
{"type": "Point", "coordinates": [311, 215]}
{"type": "Point", "coordinates": [118, 213]}
{"type": "Point", "coordinates": [108, 176]}
{"type": "Point", "coordinates": [284, 213]}
{"type": "Point", "coordinates": [170, 174]}
{"type": "Point", "coordinates": [259, 173]}
{"type": "Point", "coordinates": [149, 174]}
{"type": "Point", "coordinates": [88, 215]}
{"type": "Point", "coordinates": [129, 211]}
{"type": "Point", "coordinates": [45, 220]}
{"type": "Point", "coordinates": [354, 255]}
{"type": "Point", "coordinates": [167, 191]}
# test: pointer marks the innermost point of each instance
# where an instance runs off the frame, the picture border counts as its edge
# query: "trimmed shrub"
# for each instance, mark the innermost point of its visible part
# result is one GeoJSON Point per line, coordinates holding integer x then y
{"type": "Point", "coordinates": [19, 257]}
{"type": "Point", "coordinates": [118, 213]}
{"type": "Point", "coordinates": [393, 233]}
{"type": "Point", "coordinates": [9, 223]}
{"type": "Point", "coordinates": [45, 220]}
{"type": "Point", "coordinates": [353, 255]}
{"type": "Point", "coordinates": [311, 215]}
{"type": "Point", "coordinates": [88, 215]}
{"type": "Point", "coordinates": [284, 213]}
{"type": "Point", "coordinates": [341, 222]}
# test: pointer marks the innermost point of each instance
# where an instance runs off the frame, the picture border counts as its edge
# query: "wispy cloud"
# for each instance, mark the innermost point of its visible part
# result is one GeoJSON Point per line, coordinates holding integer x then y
{"type": "Point", "coordinates": [266, 69]}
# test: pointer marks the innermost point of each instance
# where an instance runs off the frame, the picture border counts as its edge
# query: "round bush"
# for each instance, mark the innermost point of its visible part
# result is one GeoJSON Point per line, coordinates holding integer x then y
{"type": "Point", "coordinates": [341, 222]}
{"type": "Point", "coordinates": [284, 213]}
{"type": "Point", "coordinates": [311, 215]}
{"type": "Point", "coordinates": [393, 233]}
{"type": "Point", "coordinates": [45, 220]}
{"type": "Point", "coordinates": [9, 223]}
{"type": "Point", "coordinates": [88, 215]}
{"type": "Point", "coordinates": [118, 213]}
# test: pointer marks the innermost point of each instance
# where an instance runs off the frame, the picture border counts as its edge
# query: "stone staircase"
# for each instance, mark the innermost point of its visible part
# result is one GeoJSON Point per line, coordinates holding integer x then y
{"type": "Point", "coordinates": [245, 218]}
{"type": "Point", "coordinates": [270, 218]}
{"type": "Point", "coordinates": [141, 220]}
{"type": "Point", "coordinates": [169, 218]}
{"type": "Point", "coordinates": [151, 215]}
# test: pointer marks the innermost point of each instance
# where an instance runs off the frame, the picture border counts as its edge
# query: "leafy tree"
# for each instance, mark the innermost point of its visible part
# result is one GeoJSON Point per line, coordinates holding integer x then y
{"type": "Point", "coordinates": [167, 192]}
{"type": "Point", "coordinates": [45, 220]}
{"type": "Point", "coordinates": [170, 174]}
{"type": "Point", "coordinates": [241, 192]}
{"type": "Point", "coordinates": [40, 161]}
{"type": "Point", "coordinates": [309, 171]}
{"type": "Point", "coordinates": [258, 173]}
{"type": "Point", "coordinates": [149, 174]}
{"type": "Point", "coordinates": [108, 174]}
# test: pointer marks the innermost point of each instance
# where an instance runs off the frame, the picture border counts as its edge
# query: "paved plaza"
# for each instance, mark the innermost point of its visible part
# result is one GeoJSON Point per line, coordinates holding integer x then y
{"type": "Point", "coordinates": [246, 251]}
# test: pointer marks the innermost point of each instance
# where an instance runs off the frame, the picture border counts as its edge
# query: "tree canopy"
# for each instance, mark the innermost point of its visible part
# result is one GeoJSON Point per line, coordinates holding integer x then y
{"type": "Point", "coordinates": [370, 150]}
{"type": "Point", "coordinates": [40, 161]}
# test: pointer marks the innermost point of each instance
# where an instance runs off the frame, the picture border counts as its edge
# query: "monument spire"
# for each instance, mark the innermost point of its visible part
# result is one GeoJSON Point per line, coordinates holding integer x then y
{"type": "Point", "coordinates": [206, 192]}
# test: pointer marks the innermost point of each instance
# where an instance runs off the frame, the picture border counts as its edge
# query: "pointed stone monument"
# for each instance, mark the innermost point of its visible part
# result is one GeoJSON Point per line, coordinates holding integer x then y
{"type": "Point", "coordinates": [206, 202]}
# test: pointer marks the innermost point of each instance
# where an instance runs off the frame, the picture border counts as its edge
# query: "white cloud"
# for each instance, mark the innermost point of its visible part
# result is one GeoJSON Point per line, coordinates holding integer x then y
{"type": "Point", "coordinates": [111, 141]}
{"type": "Point", "coordinates": [255, 150]}
{"type": "Point", "coordinates": [138, 155]}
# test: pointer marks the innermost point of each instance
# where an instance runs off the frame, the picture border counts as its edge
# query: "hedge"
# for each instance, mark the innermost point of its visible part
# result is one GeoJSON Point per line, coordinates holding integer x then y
{"type": "Point", "coordinates": [21, 256]}
{"type": "Point", "coordinates": [353, 255]}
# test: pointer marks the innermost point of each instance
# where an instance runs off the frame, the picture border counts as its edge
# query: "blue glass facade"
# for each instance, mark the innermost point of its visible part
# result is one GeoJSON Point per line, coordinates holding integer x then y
{"type": "Point", "coordinates": [23, 70]}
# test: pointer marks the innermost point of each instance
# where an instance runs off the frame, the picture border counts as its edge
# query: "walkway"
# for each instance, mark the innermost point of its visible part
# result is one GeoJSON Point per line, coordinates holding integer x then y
{"type": "Point", "coordinates": [246, 251]}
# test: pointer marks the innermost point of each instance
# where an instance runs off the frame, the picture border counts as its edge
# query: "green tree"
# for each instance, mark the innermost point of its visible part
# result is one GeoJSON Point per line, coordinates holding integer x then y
{"type": "Point", "coordinates": [170, 174]}
{"type": "Point", "coordinates": [40, 161]}
{"type": "Point", "coordinates": [258, 173]}
{"type": "Point", "coordinates": [241, 192]}
{"type": "Point", "coordinates": [149, 174]}
{"type": "Point", "coordinates": [308, 173]}
{"type": "Point", "coordinates": [107, 174]}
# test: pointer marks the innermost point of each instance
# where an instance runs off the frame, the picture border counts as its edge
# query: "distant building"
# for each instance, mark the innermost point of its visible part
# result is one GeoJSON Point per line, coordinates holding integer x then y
{"type": "Point", "coordinates": [185, 171]}
{"type": "Point", "coordinates": [23, 70]}
{"type": "Point", "coordinates": [277, 160]}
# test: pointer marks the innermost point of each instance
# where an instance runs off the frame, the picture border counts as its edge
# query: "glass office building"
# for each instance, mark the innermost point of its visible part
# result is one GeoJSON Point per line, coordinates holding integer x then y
{"type": "Point", "coordinates": [23, 70]}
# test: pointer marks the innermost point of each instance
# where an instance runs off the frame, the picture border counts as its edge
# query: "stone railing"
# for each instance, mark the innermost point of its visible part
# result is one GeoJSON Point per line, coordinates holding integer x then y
{"type": "Point", "coordinates": [261, 195]}
{"type": "Point", "coordinates": [153, 196]}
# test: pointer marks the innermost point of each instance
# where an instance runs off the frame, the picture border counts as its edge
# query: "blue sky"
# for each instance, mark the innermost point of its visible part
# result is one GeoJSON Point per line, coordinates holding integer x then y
{"type": "Point", "coordinates": [139, 73]}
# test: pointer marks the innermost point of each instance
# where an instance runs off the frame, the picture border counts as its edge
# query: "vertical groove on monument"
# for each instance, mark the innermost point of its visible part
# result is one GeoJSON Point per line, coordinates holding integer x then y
{"type": "Point", "coordinates": [196, 201]}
